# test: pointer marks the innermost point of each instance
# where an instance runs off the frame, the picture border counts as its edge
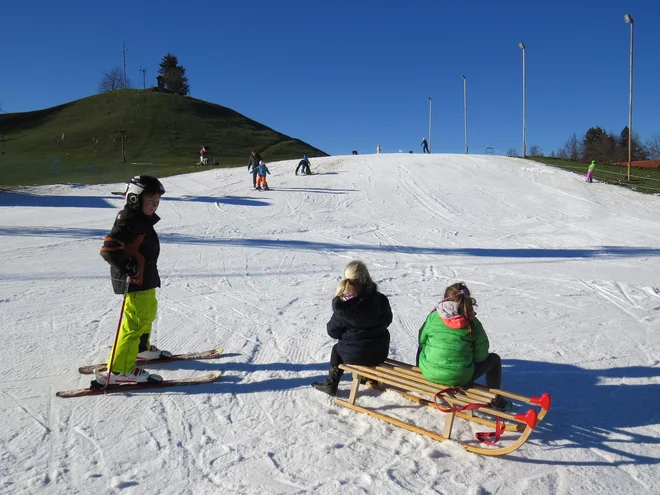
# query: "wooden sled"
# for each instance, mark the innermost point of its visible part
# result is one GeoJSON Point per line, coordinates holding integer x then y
{"type": "Point", "coordinates": [407, 381]}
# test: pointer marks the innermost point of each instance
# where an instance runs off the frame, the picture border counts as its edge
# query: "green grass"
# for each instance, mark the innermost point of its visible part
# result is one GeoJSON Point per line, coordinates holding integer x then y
{"type": "Point", "coordinates": [164, 135]}
{"type": "Point", "coordinates": [644, 180]}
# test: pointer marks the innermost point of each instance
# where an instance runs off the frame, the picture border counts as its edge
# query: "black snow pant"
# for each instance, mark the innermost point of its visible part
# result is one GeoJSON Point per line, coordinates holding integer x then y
{"type": "Point", "coordinates": [492, 368]}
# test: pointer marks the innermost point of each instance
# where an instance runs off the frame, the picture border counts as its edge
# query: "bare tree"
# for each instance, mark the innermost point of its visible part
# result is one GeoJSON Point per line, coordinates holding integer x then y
{"type": "Point", "coordinates": [571, 150]}
{"type": "Point", "coordinates": [512, 152]}
{"type": "Point", "coordinates": [653, 146]}
{"type": "Point", "coordinates": [113, 80]}
{"type": "Point", "coordinates": [535, 150]}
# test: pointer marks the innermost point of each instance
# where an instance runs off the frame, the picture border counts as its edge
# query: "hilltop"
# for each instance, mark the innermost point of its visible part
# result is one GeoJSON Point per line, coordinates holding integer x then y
{"type": "Point", "coordinates": [80, 141]}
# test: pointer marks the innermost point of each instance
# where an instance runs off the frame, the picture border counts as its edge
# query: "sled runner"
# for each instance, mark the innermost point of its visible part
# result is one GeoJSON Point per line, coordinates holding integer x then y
{"type": "Point", "coordinates": [471, 404]}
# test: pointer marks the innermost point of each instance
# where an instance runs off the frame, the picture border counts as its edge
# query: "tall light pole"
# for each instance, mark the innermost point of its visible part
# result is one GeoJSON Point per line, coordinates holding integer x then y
{"type": "Point", "coordinates": [465, 111]}
{"type": "Point", "coordinates": [524, 150]}
{"type": "Point", "coordinates": [430, 120]}
{"type": "Point", "coordinates": [144, 77]}
{"type": "Point", "coordinates": [628, 18]}
{"type": "Point", "coordinates": [123, 51]}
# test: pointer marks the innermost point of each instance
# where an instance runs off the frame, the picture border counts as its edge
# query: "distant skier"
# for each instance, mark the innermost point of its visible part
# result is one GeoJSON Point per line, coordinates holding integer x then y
{"type": "Point", "coordinates": [378, 149]}
{"type": "Point", "coordinates": [425, 146]}
{"type": "Point", "coordinates": [204, 156]}
{"type": "Point", "coordinates": [303, 166]}
{"type": "Point", "coordinates": [590, 171]}
{"type": "Point", "coordinates": [253, 163]}
{"type": "Point", "coordinates": [354, 152]}
{"type": "Point", "coordinates": [262, 170]}
{"type": "Point", "coordinates": [132, 249]}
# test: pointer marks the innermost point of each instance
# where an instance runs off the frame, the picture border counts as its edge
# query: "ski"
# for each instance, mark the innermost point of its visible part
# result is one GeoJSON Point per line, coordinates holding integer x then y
{"type": "Point", "coordinates": [210, 354]}
{"type": "Point", "coordinates": [97, 388]}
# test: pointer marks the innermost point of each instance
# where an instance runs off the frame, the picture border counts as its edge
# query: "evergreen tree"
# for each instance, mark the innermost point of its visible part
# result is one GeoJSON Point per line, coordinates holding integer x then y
{"type": "Point", "coordinates": [639, 151]}
{"type": "Point", "coordinates": [599, 145]}
{"type": "Point", "coordinates": [174, 75]}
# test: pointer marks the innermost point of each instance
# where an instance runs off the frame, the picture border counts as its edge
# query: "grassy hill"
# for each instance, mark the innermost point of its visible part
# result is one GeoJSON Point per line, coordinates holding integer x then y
{"type": "Point", "coordinates": [164, 133]}
{"type": "Point", "coordinates": [642, 180]}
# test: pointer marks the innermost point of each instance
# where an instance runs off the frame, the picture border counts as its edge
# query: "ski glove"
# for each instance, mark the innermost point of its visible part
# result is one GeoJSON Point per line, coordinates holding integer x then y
{"type": "Point", "coordinates": [132, 268]}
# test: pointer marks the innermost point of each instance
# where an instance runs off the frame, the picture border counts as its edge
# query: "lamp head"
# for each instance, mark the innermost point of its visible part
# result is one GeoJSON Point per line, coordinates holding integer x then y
{"type": "Point", "coordinates": [628, 18]}
{"type": "Point", "coordinates": [521, 45]}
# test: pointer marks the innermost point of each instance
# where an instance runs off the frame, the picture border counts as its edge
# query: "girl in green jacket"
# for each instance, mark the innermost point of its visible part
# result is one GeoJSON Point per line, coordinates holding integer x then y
{"type": "Point", "coordinates": [453, 346]}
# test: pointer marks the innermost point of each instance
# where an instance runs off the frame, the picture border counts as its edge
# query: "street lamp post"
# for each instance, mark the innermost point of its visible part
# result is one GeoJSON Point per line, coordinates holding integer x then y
{"type": "Point", "coordinates": [430, 120]}
{"type": "Point", "coordinates": [524, 150]}
{"type": "Point", "coordinates": [629, 20]}
{"type": "Point", "coordinates": [465, 111]}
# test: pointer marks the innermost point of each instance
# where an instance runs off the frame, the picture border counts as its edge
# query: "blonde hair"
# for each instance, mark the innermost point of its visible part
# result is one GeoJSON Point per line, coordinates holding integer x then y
{"type": "Point", "coordinates": [465, 303]}
{"type": "Point", "coordinates": [356, 280]}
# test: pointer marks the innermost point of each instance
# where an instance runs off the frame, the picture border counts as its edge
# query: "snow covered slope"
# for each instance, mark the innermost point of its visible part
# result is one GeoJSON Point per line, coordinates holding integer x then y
{"type": "Point", "coordinates": [566, 275]}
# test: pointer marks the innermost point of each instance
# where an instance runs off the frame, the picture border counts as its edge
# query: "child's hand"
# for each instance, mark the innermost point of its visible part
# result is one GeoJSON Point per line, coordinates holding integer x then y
{"type": "Point", "coordinates": [132, 268]}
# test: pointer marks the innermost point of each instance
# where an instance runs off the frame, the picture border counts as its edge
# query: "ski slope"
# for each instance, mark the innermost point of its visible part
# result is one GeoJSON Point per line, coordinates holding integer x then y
{"type": "Point", "coordinates": [566, 275]}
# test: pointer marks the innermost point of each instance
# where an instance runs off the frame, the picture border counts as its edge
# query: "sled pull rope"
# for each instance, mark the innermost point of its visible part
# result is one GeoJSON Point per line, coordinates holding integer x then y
{"type": "Point", "coordinates": [452, 390]}
{"type": "Point", "coordinates": [483, 437]}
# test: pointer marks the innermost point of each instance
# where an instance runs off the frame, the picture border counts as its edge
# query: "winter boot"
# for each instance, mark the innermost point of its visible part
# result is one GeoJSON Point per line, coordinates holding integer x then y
{"type": "Point", "coordinates": [152, 353]}
{"type": "Point", "coordinates": [138, 375]}
{"type": "Point", "coordinates": [330, 384]}
{"type": "Point", "coordinates": [501, 404]}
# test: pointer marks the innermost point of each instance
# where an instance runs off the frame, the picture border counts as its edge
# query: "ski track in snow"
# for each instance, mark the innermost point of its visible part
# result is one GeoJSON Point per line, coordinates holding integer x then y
{"type": "Point", "coordinates": [565, 274]}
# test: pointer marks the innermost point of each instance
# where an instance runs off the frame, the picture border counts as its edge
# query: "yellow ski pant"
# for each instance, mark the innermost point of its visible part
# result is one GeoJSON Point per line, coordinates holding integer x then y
{"type": "Point", "coordinates": [139, 314]}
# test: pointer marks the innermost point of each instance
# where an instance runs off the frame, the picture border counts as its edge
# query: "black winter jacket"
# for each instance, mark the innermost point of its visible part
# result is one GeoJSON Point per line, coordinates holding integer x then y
{"type": "Point", "coordinates": [253, 162]}
{"type": "Point", "coordinates": [361, 324]}
{"type": "Point", "coordinates": [303, 163]}
{"type": "Point", "coordinates": [133, 238]}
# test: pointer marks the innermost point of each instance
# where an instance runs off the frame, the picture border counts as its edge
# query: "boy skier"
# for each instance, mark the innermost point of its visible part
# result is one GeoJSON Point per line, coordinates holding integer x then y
{"type": "Point", "coordinates": [132, 250]}
{"type": "Point", "coordinates": [262, 170]}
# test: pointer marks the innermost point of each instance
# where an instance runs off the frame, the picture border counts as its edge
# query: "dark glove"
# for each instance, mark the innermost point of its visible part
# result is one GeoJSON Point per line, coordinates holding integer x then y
{"type": "Point", "coordinates": [132, 268]}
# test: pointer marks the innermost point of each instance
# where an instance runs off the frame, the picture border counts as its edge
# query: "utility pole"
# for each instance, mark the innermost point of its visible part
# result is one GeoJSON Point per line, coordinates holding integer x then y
{"type": "Point", "coordinates": [465, 111]}
{"type": "Point", "coordinates": [430, 120]}
{"type": "Point", "coordinates": [123, 50]}
{"type": "Point", "coordinates": [123, 133]}
{"type": "Point", "coordinates": [144, 77]}
{"type": "Point", "coordinates": [628, 18]}
{"type": "Point", "coordinates": [524, 143]}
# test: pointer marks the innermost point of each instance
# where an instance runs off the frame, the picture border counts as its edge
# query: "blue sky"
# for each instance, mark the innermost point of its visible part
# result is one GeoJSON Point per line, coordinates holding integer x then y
{"type": "Point", "coordinates": [348, 75]}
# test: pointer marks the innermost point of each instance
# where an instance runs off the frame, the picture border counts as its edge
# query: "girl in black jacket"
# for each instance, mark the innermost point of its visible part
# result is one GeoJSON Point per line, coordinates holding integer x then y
{"type": "Point", "coordinates": [360, 317]}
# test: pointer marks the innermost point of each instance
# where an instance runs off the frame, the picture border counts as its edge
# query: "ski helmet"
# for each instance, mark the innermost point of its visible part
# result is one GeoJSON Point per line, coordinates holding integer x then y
{"type": "Point", "coordinates": [305, 157]}
{"type": "Point", "coordinates": [261, 162]}
{"type": "Point", "coordinates": [139, 185]}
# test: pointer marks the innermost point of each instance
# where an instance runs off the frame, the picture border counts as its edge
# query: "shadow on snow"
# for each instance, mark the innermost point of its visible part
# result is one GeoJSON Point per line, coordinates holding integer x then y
{"type": "Point", "coordinates": [301, 245]}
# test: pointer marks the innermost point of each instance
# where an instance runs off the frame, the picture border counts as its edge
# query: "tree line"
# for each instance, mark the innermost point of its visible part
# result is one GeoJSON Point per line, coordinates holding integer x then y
{"type": "Point", "coordinates": [173, 76]}
{"type": "Point", "coordinates": [607, 147]}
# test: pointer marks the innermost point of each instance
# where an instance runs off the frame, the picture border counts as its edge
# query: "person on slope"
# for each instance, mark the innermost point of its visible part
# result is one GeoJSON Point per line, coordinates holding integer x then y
{"type": "Point", "coordinates": [253, 163]}
{"type": "Point", "coordinates": [262, 170]}
{"type": "Point", "coordinates": [304, 167]}
{"type": "Point", "coordinates": [204, 156]}
{"type": "Point", "coordinates": [590, 171]}
{"type": "Point", "coordinates": [453, 346]}
{"type": "Point", "coordinates": [425, 146]}
{"type": "Point", "coordinates": [360, 317]}
{"type": "Point", "coordinates": [132, 249]}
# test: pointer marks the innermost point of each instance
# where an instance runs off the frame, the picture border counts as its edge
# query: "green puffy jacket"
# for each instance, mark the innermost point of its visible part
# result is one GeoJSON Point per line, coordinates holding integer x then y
{"type": "Point", "coordinates": [448, 354]}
